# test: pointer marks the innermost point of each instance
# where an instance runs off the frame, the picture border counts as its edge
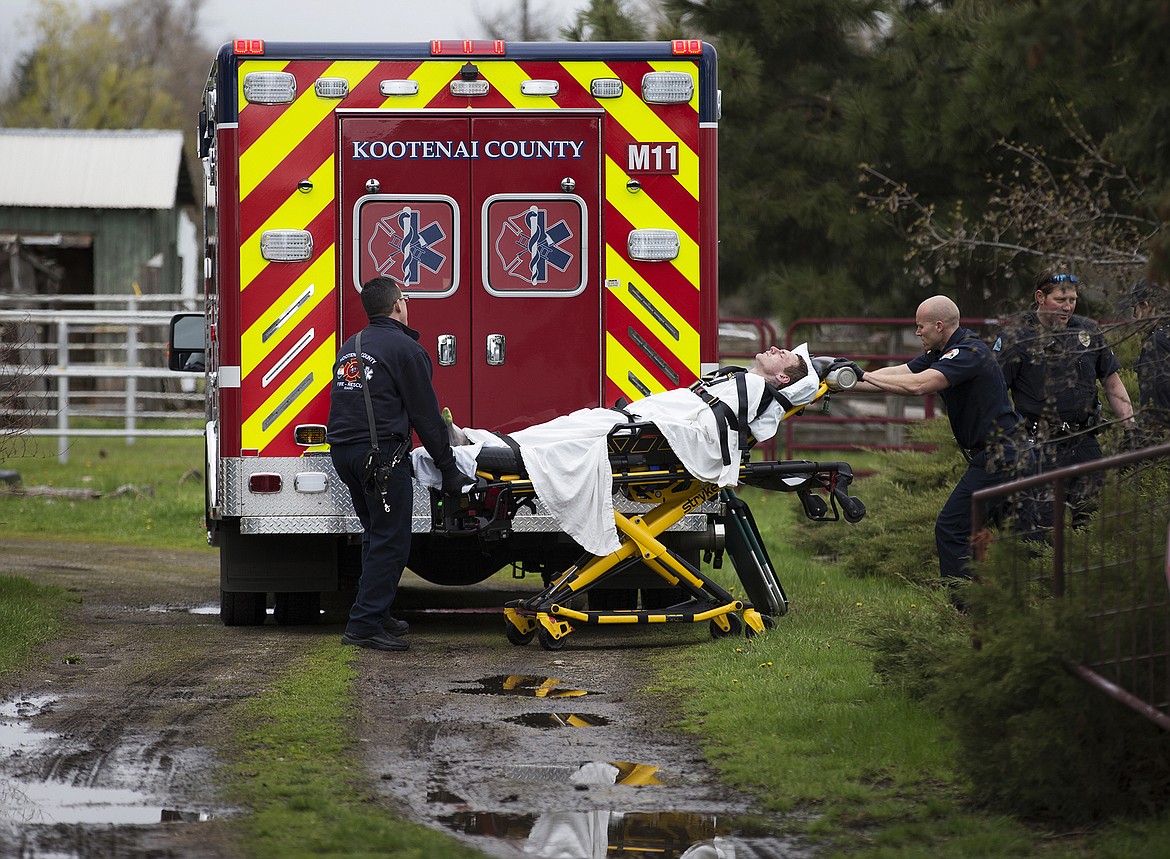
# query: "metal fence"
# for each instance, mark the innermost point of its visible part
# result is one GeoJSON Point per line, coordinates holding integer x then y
{"type": "Point", "coordinates": [96, 366]}
{"type": "Point", "coordinates": [1111, 572]}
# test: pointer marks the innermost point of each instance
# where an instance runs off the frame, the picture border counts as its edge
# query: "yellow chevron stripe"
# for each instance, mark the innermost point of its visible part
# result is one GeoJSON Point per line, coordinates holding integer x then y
{"type": "Point", "coordinates": [433, 77]}
{"type": "Point", "coordinates": [320, 364]}
{"type": "Point", "coordinates": [319, 275]}
{"type": "Point", "coordinates": [643, 213]}
{"type": "Point", "coordinates": [619, 364]}
{"type": "Point", "coordinates": [686, 348]}
{"type": "Point", "coordinates": [506, 78]}
{"type": "Point", "coordinates": [640, 120]}
{"type": "Point", "coordinates": [295, 213]}
{"type": "Point", "coordinates": [297, 120]}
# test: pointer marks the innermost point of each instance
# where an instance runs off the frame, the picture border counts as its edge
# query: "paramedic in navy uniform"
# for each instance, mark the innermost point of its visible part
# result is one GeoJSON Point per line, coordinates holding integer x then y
{"type": "Point", "coordinates": [962, 370]}
{"type": "Point", "coordinates": [1052, 361]}
{"type": "Point", "coordinates": [398, 373]}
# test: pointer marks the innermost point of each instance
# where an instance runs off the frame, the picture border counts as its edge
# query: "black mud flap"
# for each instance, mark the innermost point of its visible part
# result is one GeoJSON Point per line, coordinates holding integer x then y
{"type": "Point", "coordinates": [750, 556]}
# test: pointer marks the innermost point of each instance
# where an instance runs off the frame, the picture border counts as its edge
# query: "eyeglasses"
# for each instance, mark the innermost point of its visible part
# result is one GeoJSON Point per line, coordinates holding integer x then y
{"type": "Point", "coordinates": [404, 297]}
{"type": "Point", "coordinates": [1062, 278]}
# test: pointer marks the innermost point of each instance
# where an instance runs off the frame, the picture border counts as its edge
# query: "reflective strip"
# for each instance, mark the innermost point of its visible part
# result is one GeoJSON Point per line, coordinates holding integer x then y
{"type": "Point", "coordinates": [253, 347]}
{"type": "Point", "coordinates": [620, 364]}
{"type": "Point", "coordinates": [283, 405]}
{"type": "Point", "coordinates": [686, 347]}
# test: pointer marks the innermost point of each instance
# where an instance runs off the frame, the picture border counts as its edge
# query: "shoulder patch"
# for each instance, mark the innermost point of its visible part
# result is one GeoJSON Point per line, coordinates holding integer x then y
{"type": "Point", "coordinates": [998, 344]}
{"type": "Point", "coordinates": [951, 354]}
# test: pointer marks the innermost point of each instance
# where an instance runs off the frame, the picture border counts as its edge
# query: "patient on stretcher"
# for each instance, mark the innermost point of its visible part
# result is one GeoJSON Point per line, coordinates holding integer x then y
{"type": "Point", "coordinates": [707, 427]}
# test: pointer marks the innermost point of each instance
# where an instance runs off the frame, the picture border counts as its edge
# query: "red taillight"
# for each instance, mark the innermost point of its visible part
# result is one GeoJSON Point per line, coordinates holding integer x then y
{"type": "Point", "coordinates": [686, 47]}
{"type": "Point", "coordinates": [248, 47]}
{"type": "Point", "coordinates": [264, 483]}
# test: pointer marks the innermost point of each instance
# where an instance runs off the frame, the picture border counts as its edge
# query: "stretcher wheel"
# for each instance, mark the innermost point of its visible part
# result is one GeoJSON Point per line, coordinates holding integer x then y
{"type": "Point", "coordinates": [517, 637]}
{"type": "Point", "coordinates": [768, 621]}
{"type": "Point", "coordinates": [735, 623]}
{"type": "Point", "coordinates": [547, 641]}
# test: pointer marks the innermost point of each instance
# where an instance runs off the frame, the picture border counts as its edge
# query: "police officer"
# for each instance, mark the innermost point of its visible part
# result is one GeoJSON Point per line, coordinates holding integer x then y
{"type": "Point", "coordinates": [1052, 361]}
{"type": "Point", "coordinates": [1153, 364]}
{"type": "Point", "coordinates": [398, 376]}
{"type": "Point", "coordinates": [961, 369]}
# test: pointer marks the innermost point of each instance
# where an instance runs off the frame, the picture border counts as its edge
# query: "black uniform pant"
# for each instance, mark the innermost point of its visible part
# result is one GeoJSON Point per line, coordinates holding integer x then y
{"type": "Point", "coordinates": [1081, 493]}
{"type": "Point", "coordinates": [952, 529]}
{"type": "Point", "coordinates": [385, 535]}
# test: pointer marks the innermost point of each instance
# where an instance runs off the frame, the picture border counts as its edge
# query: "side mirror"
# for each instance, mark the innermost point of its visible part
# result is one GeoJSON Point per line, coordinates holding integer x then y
{"type": "Point", "coordinates": [187, 343]}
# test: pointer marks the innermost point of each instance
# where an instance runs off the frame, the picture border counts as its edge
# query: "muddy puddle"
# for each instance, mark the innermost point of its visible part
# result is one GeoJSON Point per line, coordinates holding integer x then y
{"type": "Point", "coordinates": [31, 799]}
{"type": "Point", "coordinates": [587, 833]}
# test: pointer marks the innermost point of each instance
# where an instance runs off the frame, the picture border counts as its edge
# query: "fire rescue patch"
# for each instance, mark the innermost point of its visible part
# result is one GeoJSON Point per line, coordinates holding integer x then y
{"type": "Point", "coordinates": [951, 354]}
{"type": "Point", "coordinates": [347, 374]}
{"type": "Point", "coordinates": [1084, 338]}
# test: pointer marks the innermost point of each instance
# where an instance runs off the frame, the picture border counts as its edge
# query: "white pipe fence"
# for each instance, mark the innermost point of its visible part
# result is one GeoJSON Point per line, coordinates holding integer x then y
{"type": "Point", "coordinates": [103, 362]}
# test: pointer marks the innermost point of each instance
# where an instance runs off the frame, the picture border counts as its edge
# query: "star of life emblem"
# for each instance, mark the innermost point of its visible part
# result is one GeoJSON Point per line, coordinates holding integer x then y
{"type": "Point", "coordinates": [526, 246]}
{"type": "Point", "coordinates": [399, 246]}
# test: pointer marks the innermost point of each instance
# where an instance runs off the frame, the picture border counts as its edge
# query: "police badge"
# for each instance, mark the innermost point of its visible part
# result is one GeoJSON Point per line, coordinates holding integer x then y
{"type": "Point", "coordinates": [1084, 338]}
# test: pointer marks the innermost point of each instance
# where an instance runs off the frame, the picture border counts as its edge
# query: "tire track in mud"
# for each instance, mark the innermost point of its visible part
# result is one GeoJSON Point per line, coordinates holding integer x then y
{"type": "Point", "coordinates": [134, 696]}
{"type": "Point", "coordinates": [121, 712]}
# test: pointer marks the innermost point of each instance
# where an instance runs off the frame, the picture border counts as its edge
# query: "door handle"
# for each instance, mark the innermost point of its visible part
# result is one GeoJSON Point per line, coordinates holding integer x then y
{"type": "Point", "coordinates": [495, 350]}
{"type": "Point", "coordinates": [446, 350]}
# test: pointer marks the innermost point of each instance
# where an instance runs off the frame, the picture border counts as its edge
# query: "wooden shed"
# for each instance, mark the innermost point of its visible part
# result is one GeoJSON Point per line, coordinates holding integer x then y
{"type": "Point", "coordinates": [92, 212]}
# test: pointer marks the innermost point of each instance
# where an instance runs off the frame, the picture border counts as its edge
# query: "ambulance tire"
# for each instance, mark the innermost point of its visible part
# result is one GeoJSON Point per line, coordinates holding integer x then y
{"type": "Point", "coordinates": [297, 609]}
{"type": "Point", "coordinates": [242, 609]}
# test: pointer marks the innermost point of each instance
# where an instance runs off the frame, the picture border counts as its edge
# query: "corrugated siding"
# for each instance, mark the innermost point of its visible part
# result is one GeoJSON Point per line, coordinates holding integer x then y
{"type": "Point", "coordinates": [51, 168]}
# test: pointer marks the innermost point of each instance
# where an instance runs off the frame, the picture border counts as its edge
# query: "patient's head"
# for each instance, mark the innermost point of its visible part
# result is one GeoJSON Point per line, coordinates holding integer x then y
{"type": "Point", "coordinates": [780, 366]}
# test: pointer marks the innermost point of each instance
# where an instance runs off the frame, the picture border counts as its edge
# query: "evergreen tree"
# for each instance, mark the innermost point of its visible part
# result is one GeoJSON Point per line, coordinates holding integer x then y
{"type": "Point", "coordinates": [793, 239]}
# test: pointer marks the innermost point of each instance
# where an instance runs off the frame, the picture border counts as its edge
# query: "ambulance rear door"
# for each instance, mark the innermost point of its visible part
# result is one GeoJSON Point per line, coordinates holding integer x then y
{"type": "Point", "coordinates": [492, 221]}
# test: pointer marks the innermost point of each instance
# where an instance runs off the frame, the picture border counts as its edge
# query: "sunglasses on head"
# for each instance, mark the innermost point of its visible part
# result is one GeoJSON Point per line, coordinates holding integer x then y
{"type": "Point", "coordinates": [1063, 278]}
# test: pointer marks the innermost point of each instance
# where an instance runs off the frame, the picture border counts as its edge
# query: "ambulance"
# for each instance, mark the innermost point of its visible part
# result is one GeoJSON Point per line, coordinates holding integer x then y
{"type": "Point", "coordinates": [552, 211]}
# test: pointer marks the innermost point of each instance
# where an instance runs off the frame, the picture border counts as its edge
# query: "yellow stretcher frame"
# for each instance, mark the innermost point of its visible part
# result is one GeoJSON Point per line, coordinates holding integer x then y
{"type": "Point", "coordinates": [549, 615]}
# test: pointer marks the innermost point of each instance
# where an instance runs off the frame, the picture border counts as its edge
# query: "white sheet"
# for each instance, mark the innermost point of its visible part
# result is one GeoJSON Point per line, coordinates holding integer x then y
{"type": "Point", "coordinates": [568, 459]}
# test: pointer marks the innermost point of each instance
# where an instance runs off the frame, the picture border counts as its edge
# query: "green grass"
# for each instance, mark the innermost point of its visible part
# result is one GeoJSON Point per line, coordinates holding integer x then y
{"type": "Point", "coordinates": [161, 506]}
{"type": "Point", "coordinates": [295, 769]}
{"type": "Point", "coordinates": [799, 718]}
{"type": "Point", "coordinates": [29, 615]}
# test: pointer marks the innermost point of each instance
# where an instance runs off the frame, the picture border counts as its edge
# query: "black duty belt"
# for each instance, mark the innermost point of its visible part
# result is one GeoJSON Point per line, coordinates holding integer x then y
{"type": "Point", "coordinates": [1056, 429]}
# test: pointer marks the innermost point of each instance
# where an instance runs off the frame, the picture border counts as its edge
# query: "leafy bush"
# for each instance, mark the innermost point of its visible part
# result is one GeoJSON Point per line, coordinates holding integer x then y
{"type": "Point", "coordinates": [896, 537]}
{"type": "Point", "coordinates": [1034, 739]}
